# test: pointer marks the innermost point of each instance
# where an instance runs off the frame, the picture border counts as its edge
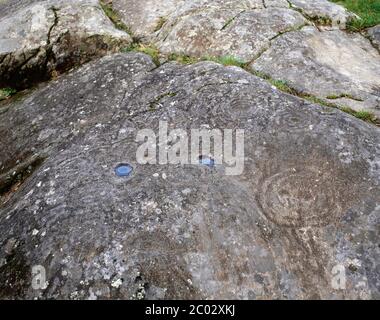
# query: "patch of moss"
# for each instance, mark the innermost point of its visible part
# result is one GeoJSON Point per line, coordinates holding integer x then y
{"type": "Point", "coordinates": [282, 85]}
{"type": "Point", "coordinates": [150, 50]}
{"type": "Point", "coordinates": [184, 59]}
{"type": "Point", "coordinates": [317, 100]}
{"type": "Point", "coordinates": [322, 21]}
{"type": "Point", "coordinates": [226, 61]}
{"type": "Point", "coordinates": [362, 114]}
{"type": "Point", "coordinates": [344, 95]}
{"type": "Point", "coordinates": [6, 93]}
{"type": "Point", "coordinates": [279, 84]}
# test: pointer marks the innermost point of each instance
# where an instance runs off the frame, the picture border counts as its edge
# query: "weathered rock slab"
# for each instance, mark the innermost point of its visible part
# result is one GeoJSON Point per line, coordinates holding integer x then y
{"type": "Point", "coordinates": [374, 34]}
{"type": "Point", "coordinates": [39, 39]}
{"type": "Point", "coordinates": [144, 17]}
{"type": "Point", "coordinates": [334, 65]}
{"type": "Point", "coordinates": [324, 12]}
{"type": "Point", "coordinates": [209, 28]}
{"type": "Point", "coordinates": [276, 37]}
{"type": "Point", "coordinates": [307, 201]}
{"type": "Point", "coordinates": [220, 32]}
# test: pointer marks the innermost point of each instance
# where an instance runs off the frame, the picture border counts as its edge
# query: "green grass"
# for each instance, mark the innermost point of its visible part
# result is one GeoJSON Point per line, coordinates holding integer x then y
{"type": "Point", "coordinates": [279, 84]}
{"type": "Point", "coordinates": [183, 59]}
{"type": "Point", "coordinates": [282, 85]}
{"type": "Point", "coordinates": [317, 100]}
{"type": "Point", "coordinates": [363, 115]}
{"type": "Point", "coordinates": [150, 50]}
{"type": "Point", "coordinates": [6, 93]}
{"type": "Point", "coordinates": [344, 95]}
{"type": "Point", "coordinates": [367, 10]}
{"type": "Point", "coordinates": [226, 61]}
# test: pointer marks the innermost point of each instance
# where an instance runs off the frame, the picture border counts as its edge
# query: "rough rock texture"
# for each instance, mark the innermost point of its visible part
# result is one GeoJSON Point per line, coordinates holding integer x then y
{"type": "Point", "coordinates": [324, 11]}
{"type": "Point", "coordinates": [206, 22]}
{"type": "Point", "coordinates": [374, 34]}
{"type": "Point", "coordinates": [319, 60]}
{"type": "Point", "coordinates": [334, 64]}
{"type": "Point", "coordinates": [203, 27]}
{"type": "Point", "coordinates": [144, 17]}
{"type": "Point", "coordinates": [8, 6]}
{"type": "Point", "coordinates": [309, 197]}
{"type": "Point", "coordinates": [218, 32]}
{"type": "Point", "coordinates": [39, 39]}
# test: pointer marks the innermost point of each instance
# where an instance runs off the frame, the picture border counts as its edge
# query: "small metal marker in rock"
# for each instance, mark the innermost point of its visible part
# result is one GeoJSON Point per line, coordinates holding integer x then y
{"type": "Point", "coordinates": [207, 161]}
{"type": "Point", "coordinates": [123, 170]}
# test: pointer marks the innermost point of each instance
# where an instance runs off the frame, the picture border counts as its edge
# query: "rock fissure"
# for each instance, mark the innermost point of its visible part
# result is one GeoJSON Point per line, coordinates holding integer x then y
{"type": "Point", "coordinates": [231, 20]}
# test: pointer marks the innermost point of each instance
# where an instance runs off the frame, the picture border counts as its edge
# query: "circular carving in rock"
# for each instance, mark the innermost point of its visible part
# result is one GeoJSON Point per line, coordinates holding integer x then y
{"type": "Point", "coordinates": [295, 120]}
{"type": "Point", "coordinates": [300, 198]}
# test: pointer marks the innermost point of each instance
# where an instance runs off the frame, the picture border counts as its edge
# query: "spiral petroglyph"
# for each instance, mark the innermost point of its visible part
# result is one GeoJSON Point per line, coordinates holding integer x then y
{"type": "Point", "coordinates": [300, 198]}
{"type": "Point", "coordinates": [296, 121]}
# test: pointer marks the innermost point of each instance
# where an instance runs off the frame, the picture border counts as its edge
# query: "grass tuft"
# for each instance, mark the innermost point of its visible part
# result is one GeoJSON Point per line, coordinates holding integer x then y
{"type": "Point", "coordinates": [367, 10]}
{"type": "Point", "coordinates": [279, 84]}
{"type": "Point", "coordinates": [6, 93]}
{"type": "Point", "coordinates": [344, 95]}
{"type": "Point", "coordinates": [317, 100]}
{"type": "Point", "coordinates": [363, 115]}
{"type": "Point", "coordinates": [226, 61]}
{"type": "Point", "coordinates": [150, 50]}
{"type": "Point", "coordinates": [184, 59]}
{"type": "Point", "coordinates": [114, 17]}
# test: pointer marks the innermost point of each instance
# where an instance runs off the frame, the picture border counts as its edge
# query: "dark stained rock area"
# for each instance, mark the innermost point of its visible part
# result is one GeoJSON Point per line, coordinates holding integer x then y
{"type": "Point", "coordinates": [41, 39]}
